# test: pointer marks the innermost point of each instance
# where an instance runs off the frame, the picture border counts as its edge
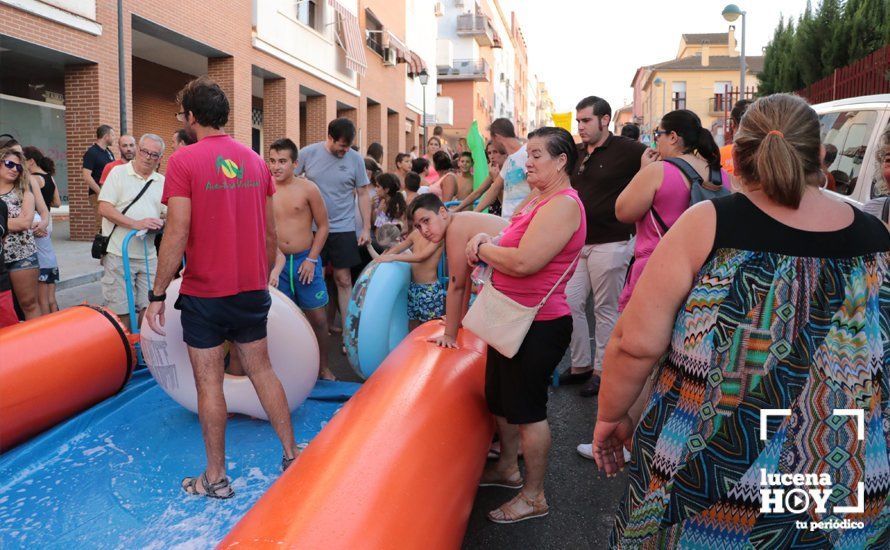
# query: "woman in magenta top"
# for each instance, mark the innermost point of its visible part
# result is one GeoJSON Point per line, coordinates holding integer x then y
{"type": "Point", "coordinates": [534, 255]}
{"type": "Point", "coordinates": [662, 187]}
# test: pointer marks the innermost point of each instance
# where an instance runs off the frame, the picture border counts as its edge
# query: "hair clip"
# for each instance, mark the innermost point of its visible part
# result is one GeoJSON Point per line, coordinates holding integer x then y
{"type": "Point", "coordinates": [775, 133]}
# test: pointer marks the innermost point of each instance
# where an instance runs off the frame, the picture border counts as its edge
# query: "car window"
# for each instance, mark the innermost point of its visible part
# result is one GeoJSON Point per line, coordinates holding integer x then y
{"type": "Point", "coordinates": [880, 187]}
{"type": "Point", "coordinates": [848, 133]}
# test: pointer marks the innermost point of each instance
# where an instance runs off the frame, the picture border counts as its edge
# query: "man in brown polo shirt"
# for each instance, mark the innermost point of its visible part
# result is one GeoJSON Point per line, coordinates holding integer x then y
{"type": "Point", "coordinates": [606, 164]}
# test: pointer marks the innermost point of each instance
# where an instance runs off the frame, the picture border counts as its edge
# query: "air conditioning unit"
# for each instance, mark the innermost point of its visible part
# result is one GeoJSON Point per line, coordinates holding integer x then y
{"type": "Point", "coordinates": [389, 57]}
{"type": "Point", "coordinates": [439, 9]}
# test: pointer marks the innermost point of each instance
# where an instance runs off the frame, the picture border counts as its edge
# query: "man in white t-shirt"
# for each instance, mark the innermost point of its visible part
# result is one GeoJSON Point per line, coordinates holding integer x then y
{"type": "Point", "coordinates": [512, 179]}
{"type": "Point", "coordinates": [122, 186]}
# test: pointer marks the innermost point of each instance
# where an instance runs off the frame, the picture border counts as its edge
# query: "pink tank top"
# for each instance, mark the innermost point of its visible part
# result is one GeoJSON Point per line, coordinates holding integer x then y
{"type": "Point", "coordinates": [671, 200]}
{"type": "Point", "coordinates": [530, 290]}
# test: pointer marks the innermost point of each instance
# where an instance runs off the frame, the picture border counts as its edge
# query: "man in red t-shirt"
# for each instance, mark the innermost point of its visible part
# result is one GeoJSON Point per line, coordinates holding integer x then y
{"type": "Point", "coordinates": [219, 213]}
{"type": "Point", "coordinates": [127, 146]}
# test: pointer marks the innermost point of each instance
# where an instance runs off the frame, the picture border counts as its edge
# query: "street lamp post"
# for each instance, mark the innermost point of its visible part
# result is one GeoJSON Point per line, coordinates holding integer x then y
{"type": "Point", "coordinates": [732, 12]}
{"type": "Point", "coordinates": [424, 79]}
{"type": "Point", "coordinates": [658, 84]}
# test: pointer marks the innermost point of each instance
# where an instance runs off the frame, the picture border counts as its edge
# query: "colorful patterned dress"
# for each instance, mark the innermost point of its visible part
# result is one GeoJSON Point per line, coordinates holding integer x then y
{"type": "Point", "coordinates": [778, 318]}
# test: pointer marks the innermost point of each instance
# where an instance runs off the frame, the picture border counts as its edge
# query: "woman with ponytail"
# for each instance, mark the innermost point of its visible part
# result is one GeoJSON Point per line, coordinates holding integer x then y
{"type": "Point", "coordinates": [660, 192]}
{"type": "Point", "coordinates": [772, 298]}
{"type": "Point", "coordinates": [42, 169]}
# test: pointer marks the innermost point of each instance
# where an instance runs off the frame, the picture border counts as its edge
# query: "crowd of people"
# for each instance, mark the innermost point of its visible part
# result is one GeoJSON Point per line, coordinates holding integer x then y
{"type": "Point", "coordinates": [723, 283]}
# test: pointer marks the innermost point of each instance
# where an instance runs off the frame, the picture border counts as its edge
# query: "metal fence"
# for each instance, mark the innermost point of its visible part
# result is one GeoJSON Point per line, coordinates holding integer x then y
{"type": "Point", "coordinates": [869, 75]}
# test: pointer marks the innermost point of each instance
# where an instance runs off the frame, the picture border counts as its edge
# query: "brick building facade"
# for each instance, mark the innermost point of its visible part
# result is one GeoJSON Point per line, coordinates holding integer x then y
{"type": "Point", "coordinates": [166, 43]}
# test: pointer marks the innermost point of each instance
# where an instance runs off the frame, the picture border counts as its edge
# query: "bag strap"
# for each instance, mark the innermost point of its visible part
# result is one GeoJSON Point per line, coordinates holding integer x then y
{"type": "Point", "coordinates": [688, 171]}
{"type": "Point", "coordinates": [659, 221]}
{"type": "Point", "coordinates": [139, 196]}
{"type": "Point", "coordinates": [561, 277]}
{"type": "Point", "coordinates": [885, 211]}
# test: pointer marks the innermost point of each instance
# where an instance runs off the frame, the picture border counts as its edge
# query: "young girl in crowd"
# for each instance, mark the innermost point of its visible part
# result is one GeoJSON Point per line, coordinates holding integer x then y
{"type": "Point", "coordinates": [42, 169]}
{"type": "Point", "coordinates": [390, 205]}
{"type": "Point", "coordinates": [433, 146]}
{"type": "Point", "coordinates": [446, 186]}
{"type": "Point", "coordinates": [421, 167]}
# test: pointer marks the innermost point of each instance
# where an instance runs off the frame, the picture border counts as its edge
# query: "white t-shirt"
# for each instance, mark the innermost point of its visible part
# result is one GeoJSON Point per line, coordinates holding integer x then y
{"type": "Point", "coordinates": [119, 189]}
{"type": "Point", "coordinates": [515, 178]}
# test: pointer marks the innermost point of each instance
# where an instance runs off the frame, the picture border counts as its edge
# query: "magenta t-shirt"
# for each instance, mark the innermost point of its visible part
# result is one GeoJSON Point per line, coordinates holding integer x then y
{"type": "Point", "coordinates": [530, 290]}
{"type": "Point", "coordinates": [228, 185]}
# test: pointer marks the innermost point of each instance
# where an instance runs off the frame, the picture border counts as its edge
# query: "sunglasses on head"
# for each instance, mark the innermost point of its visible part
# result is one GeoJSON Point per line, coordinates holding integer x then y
{"type": "Point", "coordinates": [10, 165]}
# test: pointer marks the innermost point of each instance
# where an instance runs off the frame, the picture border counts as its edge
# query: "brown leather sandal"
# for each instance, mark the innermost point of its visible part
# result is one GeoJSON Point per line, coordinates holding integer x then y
{"type": "Point", "coordinates": [490, 478]}
{"type": "Point", "coordinates": [506, 512]}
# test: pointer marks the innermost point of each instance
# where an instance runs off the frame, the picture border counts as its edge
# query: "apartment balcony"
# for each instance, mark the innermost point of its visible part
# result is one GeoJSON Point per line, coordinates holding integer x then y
{"type": "Point", "coordinates": [477, 26]}
{"type": "Point", "coordinates": [465, 69]}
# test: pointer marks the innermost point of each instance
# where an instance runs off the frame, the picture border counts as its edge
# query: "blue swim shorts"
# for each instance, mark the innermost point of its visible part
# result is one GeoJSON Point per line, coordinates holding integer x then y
{"type": "Point", "coordinates": [425, 301]}
{"type": "Point", "coordinates": [311, 296]}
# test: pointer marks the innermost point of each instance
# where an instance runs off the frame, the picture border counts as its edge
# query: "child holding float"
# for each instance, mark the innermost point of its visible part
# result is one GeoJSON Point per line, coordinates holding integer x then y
{"type": "Point", "coordinates": [426, 297]}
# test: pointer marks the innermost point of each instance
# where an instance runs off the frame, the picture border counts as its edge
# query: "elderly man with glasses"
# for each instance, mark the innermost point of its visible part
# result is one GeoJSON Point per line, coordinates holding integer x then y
{"type": "Point", "coordinates": [131, 199]}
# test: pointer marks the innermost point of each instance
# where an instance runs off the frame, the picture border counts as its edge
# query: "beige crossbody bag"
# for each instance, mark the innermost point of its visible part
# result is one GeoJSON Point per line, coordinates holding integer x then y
{"type": "Point", "coordinates": [502, 322]}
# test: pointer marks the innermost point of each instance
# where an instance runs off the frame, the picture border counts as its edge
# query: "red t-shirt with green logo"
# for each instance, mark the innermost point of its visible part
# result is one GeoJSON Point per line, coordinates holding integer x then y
{"type": "Point", "coordinates": [228, 185]}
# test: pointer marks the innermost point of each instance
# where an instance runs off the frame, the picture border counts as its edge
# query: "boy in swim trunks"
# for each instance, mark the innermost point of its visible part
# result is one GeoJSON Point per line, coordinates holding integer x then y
{"type": "Point", "coordinates": [426, 297]}
{"type": "Point", "coordinates": [455, 229]}
{"type": "Point", "coordinates": [298, 272]}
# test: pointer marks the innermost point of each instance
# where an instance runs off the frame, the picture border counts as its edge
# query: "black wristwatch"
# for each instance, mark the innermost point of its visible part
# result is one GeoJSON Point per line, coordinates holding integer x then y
{"type": "Point", "coordinates": [152, 297]}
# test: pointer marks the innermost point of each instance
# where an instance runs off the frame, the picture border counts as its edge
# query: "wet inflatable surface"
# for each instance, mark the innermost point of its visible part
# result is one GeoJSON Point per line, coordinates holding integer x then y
{"type": "Point", "coordinates": [110, 477]}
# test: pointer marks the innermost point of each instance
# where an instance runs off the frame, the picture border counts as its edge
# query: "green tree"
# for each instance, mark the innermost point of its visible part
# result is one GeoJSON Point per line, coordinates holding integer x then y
{"type": "Point", "coordinates": [827, 19]}
{"type": "Point", "coordinates": [807, 47]}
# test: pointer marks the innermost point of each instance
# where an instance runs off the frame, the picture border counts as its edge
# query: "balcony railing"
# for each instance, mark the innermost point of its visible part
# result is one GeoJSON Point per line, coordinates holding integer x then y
{"type": "Point", "coordinates": [719, 104]}
{"type": "Point", "coordinates": [477, 26]}
{"type": "Point", "coordinates": [465, 69]}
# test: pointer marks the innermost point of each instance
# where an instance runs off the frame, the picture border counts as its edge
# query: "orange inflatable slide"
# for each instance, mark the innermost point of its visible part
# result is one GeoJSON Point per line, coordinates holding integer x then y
{"type": "Point", "coordinates": [397, 467]}
{"type": "Point", "coordinates": [38, 390]}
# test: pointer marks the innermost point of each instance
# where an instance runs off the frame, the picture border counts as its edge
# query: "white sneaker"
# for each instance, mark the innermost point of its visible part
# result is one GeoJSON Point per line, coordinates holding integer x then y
{"type": "Point", "coordinates": [586, 450]}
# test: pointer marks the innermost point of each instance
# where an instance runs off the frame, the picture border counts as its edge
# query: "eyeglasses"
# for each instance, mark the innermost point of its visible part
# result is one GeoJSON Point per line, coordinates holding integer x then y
{"type": "Point", "coordinates": [10, 165]}
{"type": "Point", "coordinates": [180, 116]}
{"type": "Point", "coordinates": [149, 154]}
{"type": "Point", "coordinates": [658, 133]}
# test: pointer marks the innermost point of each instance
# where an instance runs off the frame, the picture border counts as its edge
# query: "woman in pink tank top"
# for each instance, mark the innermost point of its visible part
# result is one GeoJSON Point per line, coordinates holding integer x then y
{"type": "Point", "coordinates": [660, 191]}
{"type": "Point", "coordinates": [534, 257]}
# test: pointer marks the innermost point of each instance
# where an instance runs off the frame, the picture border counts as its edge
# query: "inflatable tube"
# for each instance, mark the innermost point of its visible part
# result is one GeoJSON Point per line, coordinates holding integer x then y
{"type": "Point", "coordinates": [377, 318]}
{"type": "Point", "coordinates": [397, 467]}
{"type": "Point", "coordinates": [293, 350]}
{"type": "Point", "coordinates": [59, 365]}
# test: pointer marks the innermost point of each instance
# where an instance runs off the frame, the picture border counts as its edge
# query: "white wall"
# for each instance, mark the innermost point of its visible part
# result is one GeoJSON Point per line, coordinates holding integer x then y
{"type": "Point", "coordinates": [421, 34]}
{"type": "Point", "coordinates": [279, 33]}
{"type": "Point", "coordinates": [504, 63]}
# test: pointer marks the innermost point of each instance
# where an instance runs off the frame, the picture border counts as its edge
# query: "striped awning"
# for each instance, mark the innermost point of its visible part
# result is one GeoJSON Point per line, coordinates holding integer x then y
{"type": "Point", "coordinates": [350, 36]}
{"type": "Point", "coordinates": [392, 42]}
{"type": "Point", "coordinates": [416, 64]}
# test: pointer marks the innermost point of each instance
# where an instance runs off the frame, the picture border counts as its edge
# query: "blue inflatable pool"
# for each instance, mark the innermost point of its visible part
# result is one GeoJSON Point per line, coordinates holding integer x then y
{"type": "Point", "coordinates": [109, 477]}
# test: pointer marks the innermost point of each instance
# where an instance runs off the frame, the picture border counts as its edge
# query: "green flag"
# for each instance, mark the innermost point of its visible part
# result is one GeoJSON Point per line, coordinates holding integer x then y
{"type": "Point", "coordinates": [476, 143]}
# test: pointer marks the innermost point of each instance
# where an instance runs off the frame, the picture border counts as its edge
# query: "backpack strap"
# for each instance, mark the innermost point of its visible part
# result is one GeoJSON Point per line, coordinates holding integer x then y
{"type": "Point", "coordinates": [692, 176]}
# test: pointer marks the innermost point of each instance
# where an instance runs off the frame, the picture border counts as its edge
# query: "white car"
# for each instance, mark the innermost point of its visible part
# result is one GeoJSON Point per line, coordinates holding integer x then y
{"type": "Point", "coordinates": [854, 126]}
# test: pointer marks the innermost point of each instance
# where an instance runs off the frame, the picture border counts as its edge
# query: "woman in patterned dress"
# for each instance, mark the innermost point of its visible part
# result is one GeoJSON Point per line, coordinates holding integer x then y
{"type": "Point", "coordinates": [764, 311]}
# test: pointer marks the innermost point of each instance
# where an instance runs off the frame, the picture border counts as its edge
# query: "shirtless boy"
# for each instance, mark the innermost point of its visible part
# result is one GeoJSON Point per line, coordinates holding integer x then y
{"type": "Point", "coordinates": [436, 224]}
{"type": "Point", "coordinates": [464, 176]}
{"type": "Point", "coordinates": [298, 271]}
{"type": "Point", "coordinates": [426, 297]}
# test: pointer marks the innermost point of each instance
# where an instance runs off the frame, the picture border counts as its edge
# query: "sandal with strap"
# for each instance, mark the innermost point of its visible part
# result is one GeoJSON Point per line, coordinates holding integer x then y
{"type": "Point", "coordinates": [286, 462]}
{"type": "Point", "coordinates": [506, 513]}
{"type": "Point", "coordinates": [491, 478]}
{"type": "Point", "coordinates": [220, 489]}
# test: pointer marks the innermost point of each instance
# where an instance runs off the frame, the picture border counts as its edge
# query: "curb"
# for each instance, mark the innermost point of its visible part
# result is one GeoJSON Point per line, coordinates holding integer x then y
{"type": "Point", "coordinates": [79, 280]}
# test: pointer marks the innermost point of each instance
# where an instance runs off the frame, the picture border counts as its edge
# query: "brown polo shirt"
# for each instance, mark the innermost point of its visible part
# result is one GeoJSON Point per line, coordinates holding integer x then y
{"type": "Point", "coordinates": [600, 179]}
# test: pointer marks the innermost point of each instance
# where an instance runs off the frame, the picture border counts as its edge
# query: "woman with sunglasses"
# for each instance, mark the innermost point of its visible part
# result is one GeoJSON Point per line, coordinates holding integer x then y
{"type": "Point", "coordinates": [19, 248]}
